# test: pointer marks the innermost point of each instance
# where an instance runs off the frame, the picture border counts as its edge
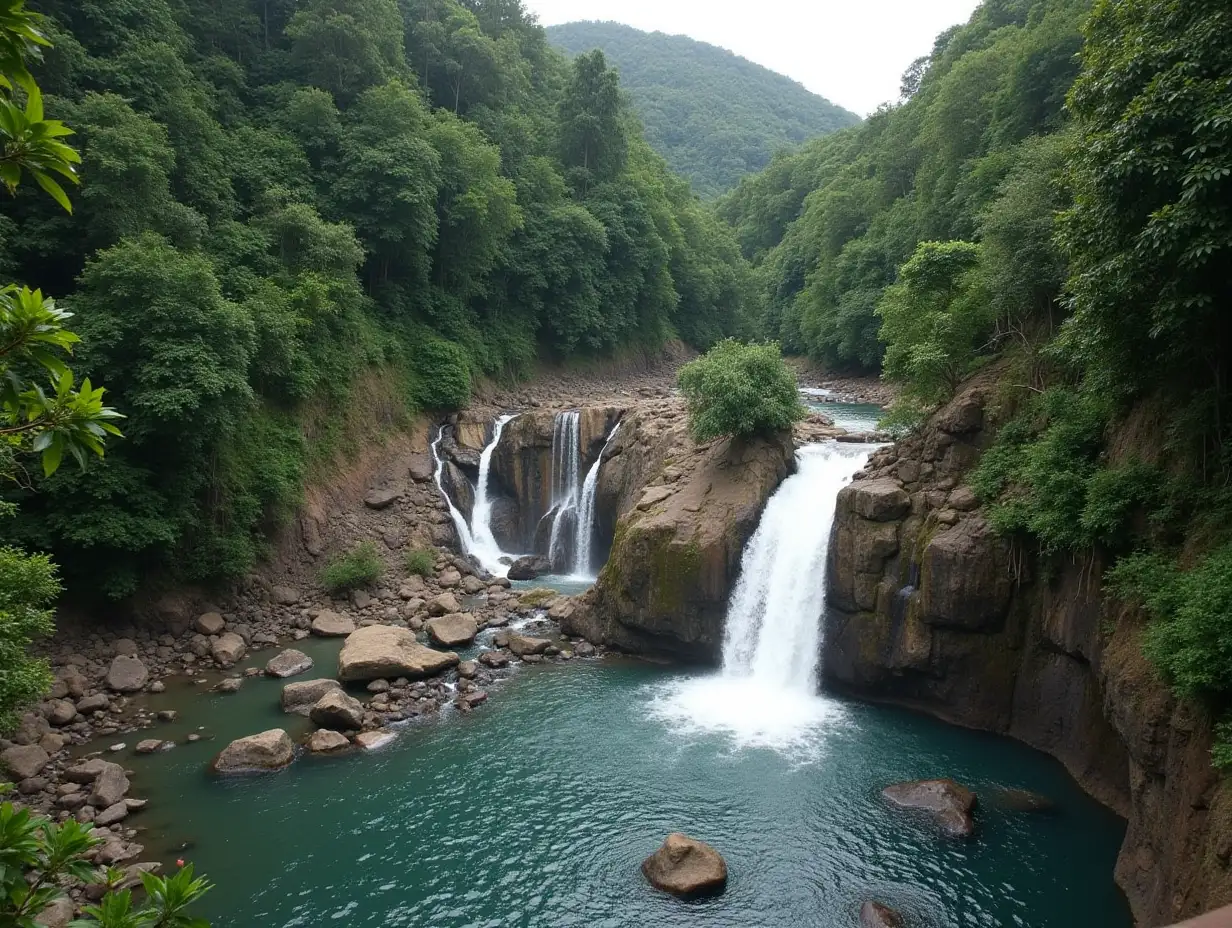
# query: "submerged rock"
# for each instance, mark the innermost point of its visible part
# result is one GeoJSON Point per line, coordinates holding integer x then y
{"type": "Point", "coordinates": [1021, 800]}
{"type": "Point", "coordinates": [270, 750]}
{"type": "Point", "coordinates": [876, 915]}
{"type": "Point", "coordinates": [530, 568]}
{"type": "Point", "coordinates": [949, 804]}
{"type": "Point", "coordinates": [389, 651]}
{"type": "Point", "coordinates": [371, 740]}
{"type": "Point", "coordinates": [686, 867]}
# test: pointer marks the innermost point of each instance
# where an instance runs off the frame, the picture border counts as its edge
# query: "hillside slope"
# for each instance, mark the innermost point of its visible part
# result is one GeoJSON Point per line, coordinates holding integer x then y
{"type": "Point", "coordinates": [714, 116]}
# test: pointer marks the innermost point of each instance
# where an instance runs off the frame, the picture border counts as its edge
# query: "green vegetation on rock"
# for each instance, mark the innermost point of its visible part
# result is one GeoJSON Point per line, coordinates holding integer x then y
{"type": "Point", "coordinates": [420, 562]}
{"type": "Point", "coordinates": [740, 390]}
{"type": "Point", "coordinates": [714, 116]}
{"type": "Point", "coordinates": [359, 567]}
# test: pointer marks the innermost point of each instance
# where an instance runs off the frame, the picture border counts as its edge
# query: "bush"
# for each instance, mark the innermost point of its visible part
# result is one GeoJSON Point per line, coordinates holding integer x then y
{"type": "Point", "coordinates": [40, 855]}
{"type": "Point", "coordinates": [739, 389]}
{"type": "Point", "coordinates": [420, 561]}
{"type": "Point", "coordinates": [359, 567]}
{"type": "Point", "coordinates": [443, 373]}
{"type": "Point", "coordinates": [28, 585]}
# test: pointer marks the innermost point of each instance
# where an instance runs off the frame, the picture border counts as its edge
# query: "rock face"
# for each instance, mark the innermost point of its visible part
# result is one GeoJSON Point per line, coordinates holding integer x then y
{"type": "Point", "coordinates": [679, 540]}
{"type": "Point", "coordinates": [686, 867]}
{"type": "Point", "coordinates": [127, 674]}
{"type": "Point", "coordinates": [930, 608]}
{"type": "Point", "coordinates": [452, 631]}
{"type": "Point", "coordinates": [388, 651]}
{"type": "Point", "coordinates": [270, 750]}
{"type": "Point", "coordinates": [947, 803]}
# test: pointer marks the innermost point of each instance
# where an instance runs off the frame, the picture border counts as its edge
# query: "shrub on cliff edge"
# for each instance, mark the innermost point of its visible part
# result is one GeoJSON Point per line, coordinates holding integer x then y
{"type": "Point", "coordinates": [739, 389]}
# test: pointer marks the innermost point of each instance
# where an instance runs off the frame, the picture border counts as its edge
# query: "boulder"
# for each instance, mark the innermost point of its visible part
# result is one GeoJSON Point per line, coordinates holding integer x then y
{"type": "Point", "coordinates": [337, 710]}
{"type": "Point", "coordinates": [299, 698]}
{"type": "Point", "coordinates": [388, 651]}
{"type": "Point", "coordinates": [444, 604]}
{"type": "Point", "coordinates": [452, 631]}
{"type": "Point", "coordinates": [61, 712]}
{"type": "Point", "coordinates": [371, 740]}
{"type": "Point", "coordinates": [1021, 800]}
{"type": "Point", "coordinates": [324, 741]}
{"type": "Point", "coordinates": [116, 812]}
{"type": "Point", "coordinates": [285, 595]}
{"type": "Point", "coordinates": [24, 760]}
{"type": "Point", "coordinates": [229, 685]}
{"type": "Point", "coordinates": [58, 914]}
{"type": "Point", "coordinates": [86, 771]}
{"type": "Point", "coordinates": [110, 786]}
{"type": "Point", "coordinates": [522, 645]}
{"type": "Point", "coordinates": [270, 750]}
{"type": "Point", "coordinates": [947, 803]}
{"type": "Point", "coordinates": [686, 867]}
{"type": "Point", "coordinates": [875, 915]}
{"type": "Point", "coordinates": [330, 624]}
{"type": "Point", "coordinates": [127, 674]}
{"type": "Point", "coordinates": [288, 664]}
{"type": "Point", "coordinates": [530, 567]}
{"type": "Point", "coordinates": [421, 468]}
{"type": "Point", "coordinates": [382, 498]}
{"type": "Point", "coordinates": [228, 648]}
{"type": "Point", "coordinates": [209, 623]}
{"type": "Point", "coordinates": [150, 746]}
{"type": "Point", "coordinates": [882, 500]}
{"type": "Point", "coordinates": [93, 703]}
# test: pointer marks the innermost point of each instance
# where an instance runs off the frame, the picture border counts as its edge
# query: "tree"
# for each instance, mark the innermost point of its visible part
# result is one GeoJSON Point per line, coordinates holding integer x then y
{"type": "Point", "coordinates": [740, 390]}
{"type": "Point", "coordinates": [592, 134]}
{"type": "Point", "coordinates": [931, 320]}
{"type": "Point", "coordinates": [347, 46]}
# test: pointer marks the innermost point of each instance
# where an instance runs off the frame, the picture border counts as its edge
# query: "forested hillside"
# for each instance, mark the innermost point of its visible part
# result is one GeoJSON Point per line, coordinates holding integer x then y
{"type": "Point", "coordinates": [1055, 197]}
{"type": "Point", "coordinates": [282, 199]}
{"type": "Point", "coordinates": [714, 116]}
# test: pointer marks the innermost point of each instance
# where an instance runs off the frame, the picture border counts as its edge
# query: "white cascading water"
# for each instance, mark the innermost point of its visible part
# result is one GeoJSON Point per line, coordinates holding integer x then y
{"type": "Point", "coordinates": [766, 694]}
{"type": "Point", "coordinates": [459, 521]}
{"type": "Point", "coordinates": [584, 536]}
{"type": "Point", "coordinates": [566, 463]}
{"type": "Point", "coordinates": [483, 543]}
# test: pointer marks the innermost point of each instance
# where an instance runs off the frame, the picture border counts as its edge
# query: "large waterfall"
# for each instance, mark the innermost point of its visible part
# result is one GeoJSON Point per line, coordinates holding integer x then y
{"type": "Point", "coordinates": [484, 546]}
{"type": "Point", "coordinates": [459, 521]}
{"type": "Point", "coordinates": [566, 464]}
{"type": "Point", "coordinates": [584, 537]}
{"type": "Point", "coordinates": [766, 693]}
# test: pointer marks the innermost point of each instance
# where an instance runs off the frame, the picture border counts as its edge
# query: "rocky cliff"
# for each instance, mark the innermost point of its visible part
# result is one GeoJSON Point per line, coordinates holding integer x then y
{"type": "Point", "coordinates": [929, 608]}
{"type": "Point", "coordinates": [684, 512]}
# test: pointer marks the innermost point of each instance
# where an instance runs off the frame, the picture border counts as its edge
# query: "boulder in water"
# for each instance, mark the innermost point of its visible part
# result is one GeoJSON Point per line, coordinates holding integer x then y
{"type": "Point", "coordinates": [338, 710]}
{"type": "Point", "coordinates": [875, 915]}
{"type": "Point", "coordinates": [386, 651]}
{"type": "Point", "coordinates": [684, 866]}
{"type": "Point", "coordinates": [127, 674]}
{"type": "Point", "coordinates": [949, 804]}
{"type": "Point", "coordinates": [1022, 800]}
{"type": "Point", "coordinates": [530, 567]}
{"type": "Point", "coordinates": [452, 631]}
{"type": "Point", "coordinates": [270, 750]}
{"type": "Point", "coordinates": [288, 664]}
{"type": "Point", "coordinates": [330, 624]}
{"type": "Point", "coordinates": [299, 698]}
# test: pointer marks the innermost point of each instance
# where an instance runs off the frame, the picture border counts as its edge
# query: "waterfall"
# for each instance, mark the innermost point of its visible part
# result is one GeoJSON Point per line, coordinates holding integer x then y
{"type": "Point", "coordinates": [584, 536]}
{"type": "Point", "coordinates": [459, 521]}
{"type": "Point", "coordinates": [766, 694]}
{"type": "Point", "coordinates": [484, 546]}
{"type": "Point", "coordinates": [566, 463]}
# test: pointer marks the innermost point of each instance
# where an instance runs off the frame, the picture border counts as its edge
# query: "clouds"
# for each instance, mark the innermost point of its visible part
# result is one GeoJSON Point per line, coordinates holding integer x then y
{"type": "Point", "coordinates": [851, 51]}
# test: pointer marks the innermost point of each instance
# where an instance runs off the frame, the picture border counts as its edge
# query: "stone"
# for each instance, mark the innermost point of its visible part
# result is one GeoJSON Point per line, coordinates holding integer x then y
{"type": "Point", "coordinates": [285, 595]}
{"type": "Point", "coordinates": [288, 664]}
{"type": "Point", "coordinates": [494, 659]}
{"type": "Point", "coordinates": [468, 670]}
{"type": "Point", "coordinates": [530, 567]}
{"type": "Point", "coordinates": [52, 742]}
{"type": "Point", "coordinates": [881, 500]}
{"type": "Point", "coordinates": [230, 685]}
{"type": "Point", "coordinates": [421, 468]}
{"type": "Point", "coordinates": [473, 699]}
{"type": "Point", "coordinates": [269, 750]}
{"type": "Point", "coordinates": [61, 712]}
{"type": "Point", "coordinates": [58, 914]}
{"type": "Point", "coordinates": [126, 646]}
{"type": "Point", "coordinates": [450, 579]}
{"type": "Point", "coordinates": [337, 710]}
{"type": "Point", "coordinates": [381, 499]}
{"type": "Point", "coordinates": [115, 812]}
{"type": "Point", "coordinates": [228, 648]}
{"type": "Point", "coordinates": [521, 645]}
{"type": "Point", "coordinates": [330, 624]}
{"type": "Point", "coordinates": [372, 740]}
{"type": "Point", "coordinates": [149, 746]}
{"type": "Point", "coordinates": [875, 915]}
{"type": "Point", "coordinates": [209, 623]}
{"type": "Point", "coordinates": [324, 741]}
{"type": "Point", "coordinates": [299, 698]}
{"type": "Point", "coordinates": [452, 631]}
{"type": "Point", "coordinates": [584, 649]}
{"type": "Point", "coordinates": [472, 585]}
{"type": "Point", "coordinates": [389, 651]}
{"type": "Point", "coordinates": [949, 804]}
{"type": "Point", "coordinates": [24, 760]}
{"type": "Point", "coordinates": [686, 867]}
{"type": "Point", "coordinates": [963, 499]}
{"type": "Point", "coordinates": [93, 703]}
{"type": "Point", "coordinates": [127, 674]}
{"type": "Point", "coordinates": [444, 604]}
{"type": "Point", "coordinates": [110, 787]}
{"type": "Point", "coordinates": [86, 771]}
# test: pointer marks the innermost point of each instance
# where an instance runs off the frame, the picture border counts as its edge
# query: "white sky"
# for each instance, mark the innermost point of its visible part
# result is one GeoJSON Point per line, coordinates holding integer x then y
{"type": "Point", "coordinates": [852, 52]}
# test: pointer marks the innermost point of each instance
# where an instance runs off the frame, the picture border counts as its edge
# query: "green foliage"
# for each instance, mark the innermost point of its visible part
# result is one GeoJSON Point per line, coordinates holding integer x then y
{"type": "Point", "coordinates": [443, 376]}
{"type": "Point", "coordinates": [420, 562]}
{"type": "Point", "coordinates": [933, 320]}
{"type": "Point", "coordinates": [714, 116]}
{"type": "Point", "coordinates": [28, 587]}
{"type": "Point", "coordinates": [38, 856]}
{"type": "Point", "coordinates": [740, 390]}
{"type": "Point", "coordinates": [359, 567]}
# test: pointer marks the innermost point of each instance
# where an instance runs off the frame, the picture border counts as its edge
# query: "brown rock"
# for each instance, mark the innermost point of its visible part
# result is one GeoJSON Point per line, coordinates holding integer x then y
{"type": "Point", "coordinates": [949, 804]}
{"type": "Point", "coordinates": [686, 867]}
{"type": "Point", "coordinates": [388, 651]}
{"type": "Point", "coordinates": [228, 648]}
{"type": "Point", "coordinates": [288, 664]}
{"type": "Point", "coordinates": [522, 645]}
{"type": "Point", "coordinates": [337, 710]}
{"type": "Point", "coordinates": [24, 760]}
{"type": "Point", "coordinates": [330, 624]}
{"type": "Point", "coordinates": [299, 698]}
{"type": "Point", "coordinates": [381, 499]}
{"type": "Point", "coordinates": [127, 674]}
{"type": "Point", "coordinates": [209, 623]}
{"type": "Point", "coordinates": [452, 631]}
{"type": "Point", "coordinates": [444, 604]}
{"type": "Point", "coordinates": [324, 741]}
{"type": "Point", "coordinates": [110, 786]}
{"type": "Point", "coordinates": [270, 750]}
{"type": "Point", "coordinates": [875, 915]}
{"type": "Point", "coordinates": [881, 500]}
{"type": "Point", "coordinates": [285, 595]}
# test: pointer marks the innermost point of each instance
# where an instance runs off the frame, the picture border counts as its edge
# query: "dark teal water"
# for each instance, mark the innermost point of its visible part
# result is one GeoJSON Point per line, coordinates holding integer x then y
{"type": "Point", "coordinates": [854, 417]}
{"type": "Point", "coordinates": [538, 809]}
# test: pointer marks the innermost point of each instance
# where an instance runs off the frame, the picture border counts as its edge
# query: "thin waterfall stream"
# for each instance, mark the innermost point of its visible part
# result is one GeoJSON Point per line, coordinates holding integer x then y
{"type": "Point", "coordinates": [484, 546]}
